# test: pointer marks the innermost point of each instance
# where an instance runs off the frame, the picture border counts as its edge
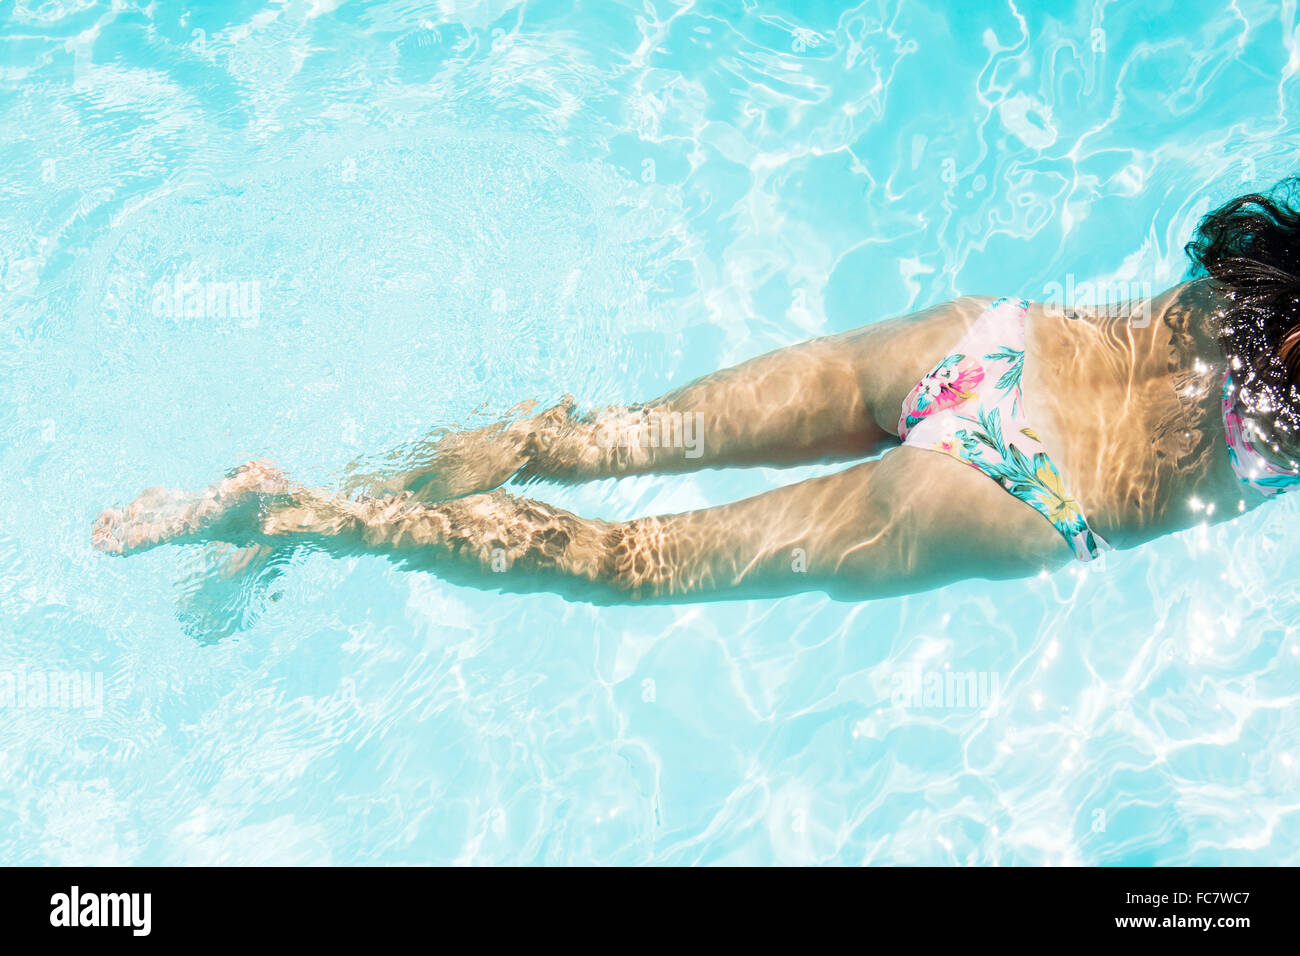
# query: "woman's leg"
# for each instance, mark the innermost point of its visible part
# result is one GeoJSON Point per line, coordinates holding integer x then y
{"type": "Point", "coordinates": [830, 399]}
{"type": "Point", "coordinates": [911, 521]}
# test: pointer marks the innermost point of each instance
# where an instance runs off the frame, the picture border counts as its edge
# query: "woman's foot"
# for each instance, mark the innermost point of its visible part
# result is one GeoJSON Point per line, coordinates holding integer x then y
{"type": "Point", "coordinates": [161, 515]}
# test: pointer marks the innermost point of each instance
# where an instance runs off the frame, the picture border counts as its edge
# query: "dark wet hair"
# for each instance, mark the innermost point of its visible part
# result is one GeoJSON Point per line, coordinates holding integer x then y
{"type": "Point", "coordinates": [1250, 248]}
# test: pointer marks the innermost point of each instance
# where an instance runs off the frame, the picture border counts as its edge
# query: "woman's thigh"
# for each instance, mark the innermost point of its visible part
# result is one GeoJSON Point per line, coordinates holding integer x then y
{"type": "Point", "coordinates": [925, 520]}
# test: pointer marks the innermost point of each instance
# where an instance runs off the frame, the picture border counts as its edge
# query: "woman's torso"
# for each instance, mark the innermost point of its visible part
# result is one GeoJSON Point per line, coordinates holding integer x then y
{"type": "Point", "coordinates": [1128, 403]}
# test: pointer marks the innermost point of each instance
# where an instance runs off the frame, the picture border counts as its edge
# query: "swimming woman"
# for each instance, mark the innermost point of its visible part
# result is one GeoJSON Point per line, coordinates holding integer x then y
{"type": "Point", "coordinates": [1016, 436]}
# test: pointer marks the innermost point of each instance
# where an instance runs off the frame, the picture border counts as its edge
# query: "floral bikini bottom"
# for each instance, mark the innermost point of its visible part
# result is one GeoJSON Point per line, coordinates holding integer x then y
{"type": "Point", "coordinates": [969, 406]}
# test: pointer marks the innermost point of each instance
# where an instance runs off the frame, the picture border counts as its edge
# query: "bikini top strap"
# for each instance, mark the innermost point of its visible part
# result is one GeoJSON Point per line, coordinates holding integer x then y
{"type": "Point", "coordinates": [1249, 464]}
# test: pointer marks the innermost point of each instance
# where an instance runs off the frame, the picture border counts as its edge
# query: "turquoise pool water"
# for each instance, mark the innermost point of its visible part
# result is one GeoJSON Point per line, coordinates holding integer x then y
{"type": "Point", "coordinates": [428, 211]}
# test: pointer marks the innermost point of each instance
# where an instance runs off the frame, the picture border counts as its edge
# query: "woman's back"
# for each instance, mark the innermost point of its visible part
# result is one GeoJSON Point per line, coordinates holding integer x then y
{"type": "Point", "coordinates": [1129, 401]}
